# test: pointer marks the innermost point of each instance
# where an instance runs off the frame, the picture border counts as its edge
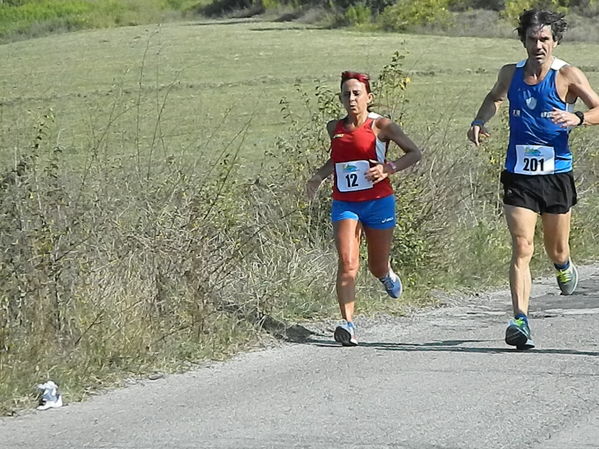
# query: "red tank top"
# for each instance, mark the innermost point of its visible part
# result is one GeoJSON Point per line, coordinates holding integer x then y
{"type": "Point", "coordinates": [350, 153]}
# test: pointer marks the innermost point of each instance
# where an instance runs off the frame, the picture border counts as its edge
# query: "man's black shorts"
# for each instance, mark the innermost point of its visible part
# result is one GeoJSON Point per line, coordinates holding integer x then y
{"type": "Point", "coordinates": [551, 194]}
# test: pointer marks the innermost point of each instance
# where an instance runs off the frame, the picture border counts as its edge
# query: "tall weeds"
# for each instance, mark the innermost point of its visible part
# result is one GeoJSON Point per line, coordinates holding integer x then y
{"type": "Point", "coordinates": [156, 259]}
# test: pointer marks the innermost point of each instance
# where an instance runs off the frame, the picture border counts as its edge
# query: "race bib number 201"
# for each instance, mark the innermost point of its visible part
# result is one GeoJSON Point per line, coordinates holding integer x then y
{"type": "Point", "coordinates": [535, 160]}
{"type": "Point", "coordinates": [351, 176]}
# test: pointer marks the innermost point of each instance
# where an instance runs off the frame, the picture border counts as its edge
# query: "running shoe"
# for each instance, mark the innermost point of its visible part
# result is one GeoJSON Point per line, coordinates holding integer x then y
{"type": "Point", "coordinates": [392, 284]}
{"type": "Point", "coordinates": [518, 334]}
{"type": "Point", "coordinates": [346, 334]}
{"type": "Point", "coordinates": [567, 279]}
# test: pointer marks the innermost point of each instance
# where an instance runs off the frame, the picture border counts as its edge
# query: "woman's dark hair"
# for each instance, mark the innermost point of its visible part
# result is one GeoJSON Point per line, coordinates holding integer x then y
{"type": "Point", "coordinates": [362, 77]}
{"type": "Point", "coordinates": [536, 18]}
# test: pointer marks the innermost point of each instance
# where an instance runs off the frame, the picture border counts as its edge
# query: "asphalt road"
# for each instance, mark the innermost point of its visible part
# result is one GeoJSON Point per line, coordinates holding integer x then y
{"type": "Point", "coordinates": [440, 379]}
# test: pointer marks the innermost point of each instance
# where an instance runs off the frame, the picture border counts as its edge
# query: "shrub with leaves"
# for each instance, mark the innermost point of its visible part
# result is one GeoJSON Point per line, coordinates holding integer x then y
{"type": "Point", "coordinates": [409, 13]}
{"type": "Point", "coordinates": [359, 14]}
{"type": "Point", "coordinates": [514, 8]}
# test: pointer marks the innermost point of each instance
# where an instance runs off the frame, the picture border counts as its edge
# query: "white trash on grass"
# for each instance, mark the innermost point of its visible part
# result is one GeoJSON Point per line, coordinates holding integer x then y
{"type": "Point", "coordinates": [50, 396]}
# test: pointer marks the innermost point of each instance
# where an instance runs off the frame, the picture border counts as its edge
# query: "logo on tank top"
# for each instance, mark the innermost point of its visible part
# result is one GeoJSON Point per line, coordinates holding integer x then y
{"type": "Point", "coordinates": [338, 136]}
{"type": "Point", "coordinates": [532, 152]}
{"type": "Point", "coordinates": [531, 102]}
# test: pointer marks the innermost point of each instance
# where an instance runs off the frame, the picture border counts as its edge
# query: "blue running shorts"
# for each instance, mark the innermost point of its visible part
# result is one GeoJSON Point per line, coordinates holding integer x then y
{"type": "Point", "coordinates": [375, 214]}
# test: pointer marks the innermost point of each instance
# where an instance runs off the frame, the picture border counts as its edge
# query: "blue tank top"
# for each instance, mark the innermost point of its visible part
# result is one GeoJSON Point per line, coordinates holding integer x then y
{"type": "Point", "coordinates": [537, 146]}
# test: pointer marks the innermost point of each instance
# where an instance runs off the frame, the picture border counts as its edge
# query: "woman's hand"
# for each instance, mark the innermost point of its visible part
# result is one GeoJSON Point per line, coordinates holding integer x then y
{"type": "Point", "coordinates": [312, 186]}
{"type": "Point", "coordinates": [378, 171]}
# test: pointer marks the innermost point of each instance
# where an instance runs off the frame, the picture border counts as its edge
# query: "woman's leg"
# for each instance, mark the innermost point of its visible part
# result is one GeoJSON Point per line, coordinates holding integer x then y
{"type": "Point", "coordinates": [347, 240]}
{"type": "Point", "coordinates": [379, 250]}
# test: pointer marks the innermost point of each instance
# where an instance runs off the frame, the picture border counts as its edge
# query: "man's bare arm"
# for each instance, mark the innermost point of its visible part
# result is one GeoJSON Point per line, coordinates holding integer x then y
{"type": "Point", "coordinates": [491, 103]}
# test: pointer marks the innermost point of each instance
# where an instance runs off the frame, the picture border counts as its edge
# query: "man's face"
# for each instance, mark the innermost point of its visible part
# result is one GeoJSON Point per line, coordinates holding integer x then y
{"type": "Point", "coordinates": [539, 43]}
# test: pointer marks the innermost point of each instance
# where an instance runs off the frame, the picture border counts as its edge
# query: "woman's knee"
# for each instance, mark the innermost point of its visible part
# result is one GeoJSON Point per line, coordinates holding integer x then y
{"type": "Point", "coordinates": [348, 267]}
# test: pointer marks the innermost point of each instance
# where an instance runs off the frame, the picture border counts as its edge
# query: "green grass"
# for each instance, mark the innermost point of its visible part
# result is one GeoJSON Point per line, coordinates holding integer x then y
{"type": "Point", "coordinates": [33, 18]}
{"type": "Point", "coordinates": [233, 74]}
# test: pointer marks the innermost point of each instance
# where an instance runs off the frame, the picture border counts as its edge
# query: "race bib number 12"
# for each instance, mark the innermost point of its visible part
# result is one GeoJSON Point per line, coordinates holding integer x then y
{"type": "Point", "coordinates": [534, 160]}
{"type": "Point", "coordinates": [351, 176]}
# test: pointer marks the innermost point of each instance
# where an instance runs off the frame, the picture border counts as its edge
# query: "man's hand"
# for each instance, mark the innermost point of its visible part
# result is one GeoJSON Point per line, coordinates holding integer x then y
{"type": "Point", "coordinates": [564, 119]}
{"type": "Point", "coordinates": [476, 132]}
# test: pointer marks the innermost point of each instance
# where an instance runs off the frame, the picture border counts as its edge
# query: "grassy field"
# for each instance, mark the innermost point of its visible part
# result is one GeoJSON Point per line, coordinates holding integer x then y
{"type": "Point", "coordinates": [134, 245]}
{"type": "Point", "coordinates": [207, 74]}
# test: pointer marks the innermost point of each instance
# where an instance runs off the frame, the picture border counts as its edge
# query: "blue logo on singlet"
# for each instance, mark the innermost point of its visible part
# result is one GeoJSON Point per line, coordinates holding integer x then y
{"type": "Point", "coordinates": [350, 168]}
{"type": "Point", "coordinates": [532, 152]}
{"type": "Point", "coordinates": [531, 102]}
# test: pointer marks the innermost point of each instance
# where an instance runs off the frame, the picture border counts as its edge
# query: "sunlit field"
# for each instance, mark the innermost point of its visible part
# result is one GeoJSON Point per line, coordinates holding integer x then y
{"type": "Point", "coordinates": [211, 80]}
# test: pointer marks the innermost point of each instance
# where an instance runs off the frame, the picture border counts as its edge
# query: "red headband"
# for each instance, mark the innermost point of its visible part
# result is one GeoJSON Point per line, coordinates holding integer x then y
{"type": "Point", "coordinates": [362, 77]}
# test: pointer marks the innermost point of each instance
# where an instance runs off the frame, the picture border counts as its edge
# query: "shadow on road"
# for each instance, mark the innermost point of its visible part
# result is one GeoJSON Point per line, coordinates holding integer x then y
{"type": "Point", "coordinates": [454, 346]}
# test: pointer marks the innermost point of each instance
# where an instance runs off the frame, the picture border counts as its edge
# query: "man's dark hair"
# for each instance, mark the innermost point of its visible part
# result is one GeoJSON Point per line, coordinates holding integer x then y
{"type": "Point", "coordinates": [536, 18]}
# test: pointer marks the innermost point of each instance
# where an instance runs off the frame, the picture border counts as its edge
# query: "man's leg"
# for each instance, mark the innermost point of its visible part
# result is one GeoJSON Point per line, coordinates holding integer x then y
{"type": "Point", "coordinates": [521, 224]}
{"type": "Point", "coordinates": [556, 234]}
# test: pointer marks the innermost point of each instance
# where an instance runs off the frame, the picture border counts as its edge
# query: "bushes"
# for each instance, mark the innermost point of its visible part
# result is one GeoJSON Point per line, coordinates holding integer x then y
{"type": "Point", "coordinates": [358, 15]}
{"type": "Point", "coordinates": [130, 262]}
{"type": "Point", "coordinates": [513, 8]}
{"type": "Point", "coordinates": [29, 18]}
{"type": "Point", "coordinates": [133, 262]}
{"type": "Point", "coordinates": [223, 7]}
{"type": "Point", "coordinates": [409, 13]}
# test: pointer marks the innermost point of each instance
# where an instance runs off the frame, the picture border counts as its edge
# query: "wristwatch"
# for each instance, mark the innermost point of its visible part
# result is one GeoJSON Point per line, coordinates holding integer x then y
{"type": "Point", "coordinates": [393, 166]}
{"type": "Point", "coordinates": [580, 115]}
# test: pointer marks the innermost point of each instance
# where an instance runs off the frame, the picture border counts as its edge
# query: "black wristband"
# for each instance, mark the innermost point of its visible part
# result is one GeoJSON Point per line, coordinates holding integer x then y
{"type": "Point", "coordinates": [580, 115]}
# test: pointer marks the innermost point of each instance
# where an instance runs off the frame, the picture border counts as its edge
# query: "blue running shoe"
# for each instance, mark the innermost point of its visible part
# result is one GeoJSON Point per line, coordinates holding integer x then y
{"type": "Point", "coordinates": [567, 279]}
{"type": "Point", "coordinates": [392, 284]}
{"type": "Point", "coordinates": [518, 334]}
{"type": "Point", "coordinates": [346, 334]}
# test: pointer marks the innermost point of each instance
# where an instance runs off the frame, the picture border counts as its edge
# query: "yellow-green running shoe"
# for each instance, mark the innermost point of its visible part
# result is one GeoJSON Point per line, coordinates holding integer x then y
{"type": "Point", "coordinates": [518, 334]}
{"type": "Point", "coordinates": [567, 279]}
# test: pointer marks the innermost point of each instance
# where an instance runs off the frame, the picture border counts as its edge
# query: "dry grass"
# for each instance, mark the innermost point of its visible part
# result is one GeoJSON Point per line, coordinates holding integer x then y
{"type": "Point", "coordinates": [126, 254]}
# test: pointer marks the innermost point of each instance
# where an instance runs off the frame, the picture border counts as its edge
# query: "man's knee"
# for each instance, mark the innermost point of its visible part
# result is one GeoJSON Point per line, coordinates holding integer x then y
{"type": "Point", "coordinates": [522, 248]}
{"type": "Point", "coordinates": [559, 253]}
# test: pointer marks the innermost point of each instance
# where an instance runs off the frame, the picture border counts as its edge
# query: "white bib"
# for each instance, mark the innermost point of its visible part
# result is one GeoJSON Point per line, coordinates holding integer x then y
{"type": "Point", "coordinates": [351, 176]}
{"type": "Point", "coordinates": [534, 160]}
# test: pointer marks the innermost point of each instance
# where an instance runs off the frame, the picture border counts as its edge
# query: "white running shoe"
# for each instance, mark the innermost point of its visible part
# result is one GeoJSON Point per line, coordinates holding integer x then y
{"type": "Point", "coordinates": [392, 284]}
{"type": "Point", "coordinates": [346, 334]}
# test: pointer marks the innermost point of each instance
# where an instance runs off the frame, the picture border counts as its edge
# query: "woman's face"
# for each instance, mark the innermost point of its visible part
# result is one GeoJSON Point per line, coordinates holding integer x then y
{"type": "Point", "coordinates": [354, 96]}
